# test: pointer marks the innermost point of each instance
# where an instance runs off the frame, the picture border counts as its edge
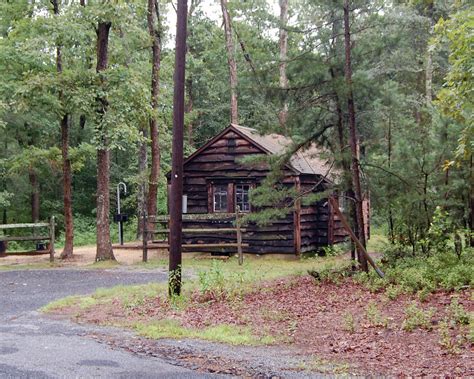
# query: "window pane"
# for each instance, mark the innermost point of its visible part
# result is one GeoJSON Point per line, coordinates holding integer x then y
{"type": "Point", "coordinates": [242, 197]}
{"type": "Point", "coordinates": [220, 198]}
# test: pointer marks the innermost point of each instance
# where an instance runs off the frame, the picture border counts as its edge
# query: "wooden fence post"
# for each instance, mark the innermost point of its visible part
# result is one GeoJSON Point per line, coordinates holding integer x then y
{"type": "Point", "coordinates": [145, 238]}
{"type": "Point", "coordinates": [52, 238]}
{"type": "Point", "coordinates": [239, 236]}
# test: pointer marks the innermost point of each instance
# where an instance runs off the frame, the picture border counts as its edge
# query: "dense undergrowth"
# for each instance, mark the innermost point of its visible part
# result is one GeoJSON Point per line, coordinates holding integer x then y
{"type": "Point", "coordinates": [440, 271]}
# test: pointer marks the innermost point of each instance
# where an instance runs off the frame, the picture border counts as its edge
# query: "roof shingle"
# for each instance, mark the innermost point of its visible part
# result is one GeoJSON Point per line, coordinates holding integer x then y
{"type": "Point", "coordinates": [312, 160]}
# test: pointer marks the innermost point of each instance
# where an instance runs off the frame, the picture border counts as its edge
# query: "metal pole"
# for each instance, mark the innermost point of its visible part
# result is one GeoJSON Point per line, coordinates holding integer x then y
{"type": "Point", "coordinates": [176, 198]}
{"type": "Point", "coordinates": [120, 224]}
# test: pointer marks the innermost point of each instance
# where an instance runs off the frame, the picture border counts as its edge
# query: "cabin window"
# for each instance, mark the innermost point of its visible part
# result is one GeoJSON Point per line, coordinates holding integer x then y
{"type": "Point", "coordinates": [220, 198]}
{"type": "Point", "coordinates": [242, 197]}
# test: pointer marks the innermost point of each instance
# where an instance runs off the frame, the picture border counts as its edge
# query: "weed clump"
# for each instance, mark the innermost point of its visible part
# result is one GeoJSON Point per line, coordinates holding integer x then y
{"type": "Point", "coordinates": [416, 317]}
{"type": "Point", "coordinates": [374, 316]}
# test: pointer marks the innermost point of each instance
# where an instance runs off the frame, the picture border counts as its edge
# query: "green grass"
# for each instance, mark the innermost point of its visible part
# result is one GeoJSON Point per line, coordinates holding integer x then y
{"type": "Point", "coordinates": [324, 366]}
{"type": "Point", "coordinates": [128, 295]}
{"type": "Point", "coordinates": [103, 265]}
{"type": "Point", "coordinates": [230, 278]}
{"type": "Point", "coordinates": [378, 240]}
{"type": "Point", "coordinates": [30, 266]}
{"type": "Point", "coordinates": [82, 302]}
{"type": "Point", "coordinates": [230, 334]}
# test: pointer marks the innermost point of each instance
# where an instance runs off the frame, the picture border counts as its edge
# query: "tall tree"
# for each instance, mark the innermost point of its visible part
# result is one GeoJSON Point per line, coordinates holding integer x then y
{"type": "Point", "coordinates": [176, 195]}
{"type": "Point", "coordinates": [353, 139]}
{"type": "Point", "coordinates": [104, 244]}
{"type": "Point", "coordinates": [283, 114]}
{"type": "Point", "coordinates": [229, 43]}
{"type": "Point", "coordinates": [154, 29]}
{"type": "Point", "coordinates": [66, 162]}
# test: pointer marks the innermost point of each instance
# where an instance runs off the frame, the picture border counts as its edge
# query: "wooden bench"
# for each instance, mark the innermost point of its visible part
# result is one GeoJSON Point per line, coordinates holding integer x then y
{"type": "Point", "coordinates": [50, 226]}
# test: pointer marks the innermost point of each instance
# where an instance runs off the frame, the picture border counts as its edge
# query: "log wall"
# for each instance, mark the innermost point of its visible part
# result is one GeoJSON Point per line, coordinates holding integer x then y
{"type": "Point", "coordinates": [221, 162]}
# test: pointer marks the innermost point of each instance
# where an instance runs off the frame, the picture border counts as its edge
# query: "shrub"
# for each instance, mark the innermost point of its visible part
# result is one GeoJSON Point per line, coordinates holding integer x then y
{"type": "Point", "coordinates": [457, 313]}
{"type": "Point", "coordinates": [332, 274]}
{"type": "Point", "coordinates": [445, 270]}
{"type": "Point", "coordinates": [349, 323]}
{"type": "Point", "coordinates": [216, 283]}
{"type": "Point", "coordinates": [417, 318]}
{"type": "Point", "coordinates": [373, 315]}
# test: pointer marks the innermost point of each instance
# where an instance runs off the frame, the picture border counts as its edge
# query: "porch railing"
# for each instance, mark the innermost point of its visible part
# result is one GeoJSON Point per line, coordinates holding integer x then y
{"type": "Point", "coordinates": [160, 225]}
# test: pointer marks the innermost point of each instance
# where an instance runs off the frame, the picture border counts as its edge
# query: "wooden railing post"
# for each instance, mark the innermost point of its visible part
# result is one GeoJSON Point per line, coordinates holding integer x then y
{"type": "Point", "coordinates": [52, 238]}
{"type": "Point", "coordinates": [239, 235]}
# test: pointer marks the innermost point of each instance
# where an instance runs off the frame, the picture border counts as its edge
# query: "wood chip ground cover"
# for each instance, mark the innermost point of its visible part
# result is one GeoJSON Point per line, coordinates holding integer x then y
{"type": "Point", "coordinates": [331, 322]}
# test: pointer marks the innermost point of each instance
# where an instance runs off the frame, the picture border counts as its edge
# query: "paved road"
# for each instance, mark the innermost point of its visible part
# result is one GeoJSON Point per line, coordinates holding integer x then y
{"type": "Point", "coordinates": [33, 346]}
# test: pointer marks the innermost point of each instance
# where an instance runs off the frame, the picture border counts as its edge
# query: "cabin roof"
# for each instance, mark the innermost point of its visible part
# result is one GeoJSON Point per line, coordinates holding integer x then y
{"type": "Point", "coordinates": [306, 161]}
{"type": "Point", "coordinates": [310, 160]}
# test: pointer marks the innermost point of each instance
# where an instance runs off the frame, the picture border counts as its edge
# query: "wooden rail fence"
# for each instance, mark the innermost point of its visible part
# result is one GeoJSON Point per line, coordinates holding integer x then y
{"type": "Point", "coordinates": [164, 220]}
{"type": "Point", "coordinates": [50, 236]}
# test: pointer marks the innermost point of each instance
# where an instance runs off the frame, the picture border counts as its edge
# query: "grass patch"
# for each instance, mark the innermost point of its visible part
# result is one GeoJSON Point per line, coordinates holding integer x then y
{"type": "Point", "coordinates": [129, 296]}
{"type": "Point", "coordinates": [324, 366]}
{"type": "Point", "coordinates": [81, 302]}
{"type": "Point", "coordinates": [378, 240]}
{"type": "Point", "coordinates": [215, 280]}
{"type": "Point", "coordinates": [230, 334]}
{"type": "Point", "coordinates": [103, 265]}
{"type": "Point", "coordinates": [30, 266]}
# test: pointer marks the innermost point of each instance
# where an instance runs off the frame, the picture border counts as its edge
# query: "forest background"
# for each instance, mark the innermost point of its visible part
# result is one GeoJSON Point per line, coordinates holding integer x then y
{"type": "Point", "coordinates": [62, 109]}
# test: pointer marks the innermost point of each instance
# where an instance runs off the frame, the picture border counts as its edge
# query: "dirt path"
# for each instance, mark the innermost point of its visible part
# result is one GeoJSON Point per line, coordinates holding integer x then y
{"type": "Point", "coordinates": [83, 256]}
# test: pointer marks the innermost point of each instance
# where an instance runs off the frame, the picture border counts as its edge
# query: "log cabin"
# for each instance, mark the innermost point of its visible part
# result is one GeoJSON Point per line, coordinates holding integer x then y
{"type": "Point", "coordinates": [216, 182]}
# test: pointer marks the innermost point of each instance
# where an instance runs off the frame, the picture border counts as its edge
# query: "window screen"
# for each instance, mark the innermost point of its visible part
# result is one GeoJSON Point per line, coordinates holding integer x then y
{"type": "Point", "coordinates": [220, 198]}
{"type": "Point", "coordinates": [242, 197]}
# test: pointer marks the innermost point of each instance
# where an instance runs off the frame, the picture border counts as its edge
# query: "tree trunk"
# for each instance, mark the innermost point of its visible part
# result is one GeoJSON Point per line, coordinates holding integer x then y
{"type": "Point", "coordinates": [104, 244]}
{"type": "Point", "coordinates": [353, 140]}
{"type": "Point", "coordinates": [67, 191]}
{"type": "Point", "coordinates": [176, 193]}
{"type": "Point", "coordinates": [154, 29]}
{"type": "Point", "coordinates": [142, 181]}
{"type": "Point", "coordinates": [229, 44]}
{"type": "Point", "coordinates": [189, 108]}
{"type": "Point", "coordinates": [35, 196]}
{"type": "Point", "coordinates": [66, 162]}
{"type": "Point", "coordinates": [283, 114]}
{"type": "Point", "coordinates": [471, 204]}
{"type": "Point", "coordinates": [391, 229]}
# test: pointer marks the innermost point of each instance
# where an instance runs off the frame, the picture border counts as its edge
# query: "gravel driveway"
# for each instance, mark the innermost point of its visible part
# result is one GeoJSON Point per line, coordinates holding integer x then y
{"type": "Point", "coordinates": [33, 346]}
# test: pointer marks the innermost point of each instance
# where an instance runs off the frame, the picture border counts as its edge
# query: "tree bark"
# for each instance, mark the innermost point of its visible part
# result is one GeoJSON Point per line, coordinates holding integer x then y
{"type": "Point", "coordinates": [391, 228]}
{"type": "Point", "coordinates": [66, 162]}
{"type": "Point", "coordinates": [142, 193]}
{"type": "Point", "coordinates": [353, 140]}
{"type": "Point", "coordinates": [67, 190]}
{"type": "Point", "coordinates": [229, 44]}
{"type": "Point", "coordinates": [189, 108]}
{"type": "Point", "coordinates": [176, 193]}
{"type": "Point", "coordinates": [35, 196]}
{"type": "Point", "coordinates": [104, 244]}
{"type": "Point", "coordinates": [154, 29]}
{"type": "Point", "coordinates": [283, 114]}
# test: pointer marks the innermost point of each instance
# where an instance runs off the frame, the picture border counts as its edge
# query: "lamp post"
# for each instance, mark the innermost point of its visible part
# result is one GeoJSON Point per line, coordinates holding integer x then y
{"type": "Point", "coordinates": [119, 215]}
